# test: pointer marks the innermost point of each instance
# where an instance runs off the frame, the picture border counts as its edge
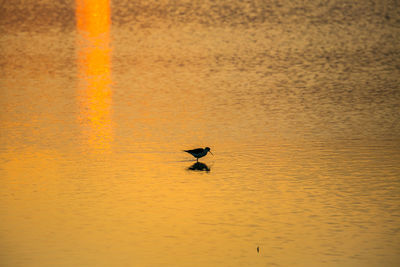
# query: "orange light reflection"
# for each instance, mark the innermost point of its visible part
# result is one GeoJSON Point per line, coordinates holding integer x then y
{"type": "Point", "coordinates": [93, 25]}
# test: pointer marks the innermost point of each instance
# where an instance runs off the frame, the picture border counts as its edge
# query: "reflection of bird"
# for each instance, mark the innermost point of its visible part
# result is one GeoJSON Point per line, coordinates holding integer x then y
{"type": "Point", "coordinates": [198, 152]}
{"type": "Point", "coordinates": [199, 166]}
{"type": "Point", "coordinates": [258, 249]}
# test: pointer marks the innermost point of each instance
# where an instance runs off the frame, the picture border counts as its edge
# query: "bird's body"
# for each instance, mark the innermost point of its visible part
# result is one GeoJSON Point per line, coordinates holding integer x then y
{"type": "Point", "coordinates": [198, 152]}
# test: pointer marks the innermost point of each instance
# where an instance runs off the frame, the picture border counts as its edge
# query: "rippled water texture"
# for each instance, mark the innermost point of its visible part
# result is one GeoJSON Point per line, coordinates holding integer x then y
{"type": "Point", "coordinates": [298, 100]}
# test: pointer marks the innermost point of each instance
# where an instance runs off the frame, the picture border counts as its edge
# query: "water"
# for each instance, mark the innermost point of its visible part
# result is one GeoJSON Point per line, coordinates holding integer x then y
{"type": "Point", "coordinates": [298, 100]}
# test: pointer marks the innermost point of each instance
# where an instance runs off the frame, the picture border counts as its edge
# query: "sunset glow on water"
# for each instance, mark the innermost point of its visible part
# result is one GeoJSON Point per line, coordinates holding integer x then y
{"type": "Point", "coordinates": [298, 101]}
{"type": "Point", "coordinates": [94, 65]}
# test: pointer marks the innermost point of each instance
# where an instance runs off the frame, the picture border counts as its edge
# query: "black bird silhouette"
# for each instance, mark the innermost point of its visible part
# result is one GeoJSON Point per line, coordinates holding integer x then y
{"type": "Point", "coordinates": [198, 152]}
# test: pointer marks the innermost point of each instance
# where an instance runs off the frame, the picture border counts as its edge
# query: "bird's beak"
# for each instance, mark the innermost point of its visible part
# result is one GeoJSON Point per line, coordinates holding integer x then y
{"type": "Point", "coordinates": [211, 152]}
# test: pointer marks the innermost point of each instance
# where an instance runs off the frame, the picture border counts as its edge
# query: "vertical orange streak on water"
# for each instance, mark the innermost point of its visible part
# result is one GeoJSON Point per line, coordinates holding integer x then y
{"type": "Point", "coordinates": [93, 25]}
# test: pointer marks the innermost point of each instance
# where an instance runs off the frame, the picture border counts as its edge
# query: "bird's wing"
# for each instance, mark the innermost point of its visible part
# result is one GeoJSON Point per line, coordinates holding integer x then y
{"type": "Point", "coordinates": [195, 151]}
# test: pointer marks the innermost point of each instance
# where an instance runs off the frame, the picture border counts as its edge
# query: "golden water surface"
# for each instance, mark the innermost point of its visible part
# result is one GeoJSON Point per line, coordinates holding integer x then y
{"type": "Point", "coordinates": [298, 101]}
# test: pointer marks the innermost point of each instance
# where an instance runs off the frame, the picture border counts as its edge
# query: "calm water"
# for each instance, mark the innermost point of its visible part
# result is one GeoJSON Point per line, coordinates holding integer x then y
{"type": "Point", "coordinates": [298, 100]}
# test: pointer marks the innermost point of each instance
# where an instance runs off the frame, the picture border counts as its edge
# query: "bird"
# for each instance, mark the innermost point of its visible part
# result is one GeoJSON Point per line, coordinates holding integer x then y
{"type": "Point", "coordinates": [258, 249]}
{"type": "Point", "coordinates": [199, 152]}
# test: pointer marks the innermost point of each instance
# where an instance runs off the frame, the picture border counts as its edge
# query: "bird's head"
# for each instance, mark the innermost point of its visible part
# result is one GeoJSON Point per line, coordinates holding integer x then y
{"type": "Point", "coordinates": [208, 150]}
